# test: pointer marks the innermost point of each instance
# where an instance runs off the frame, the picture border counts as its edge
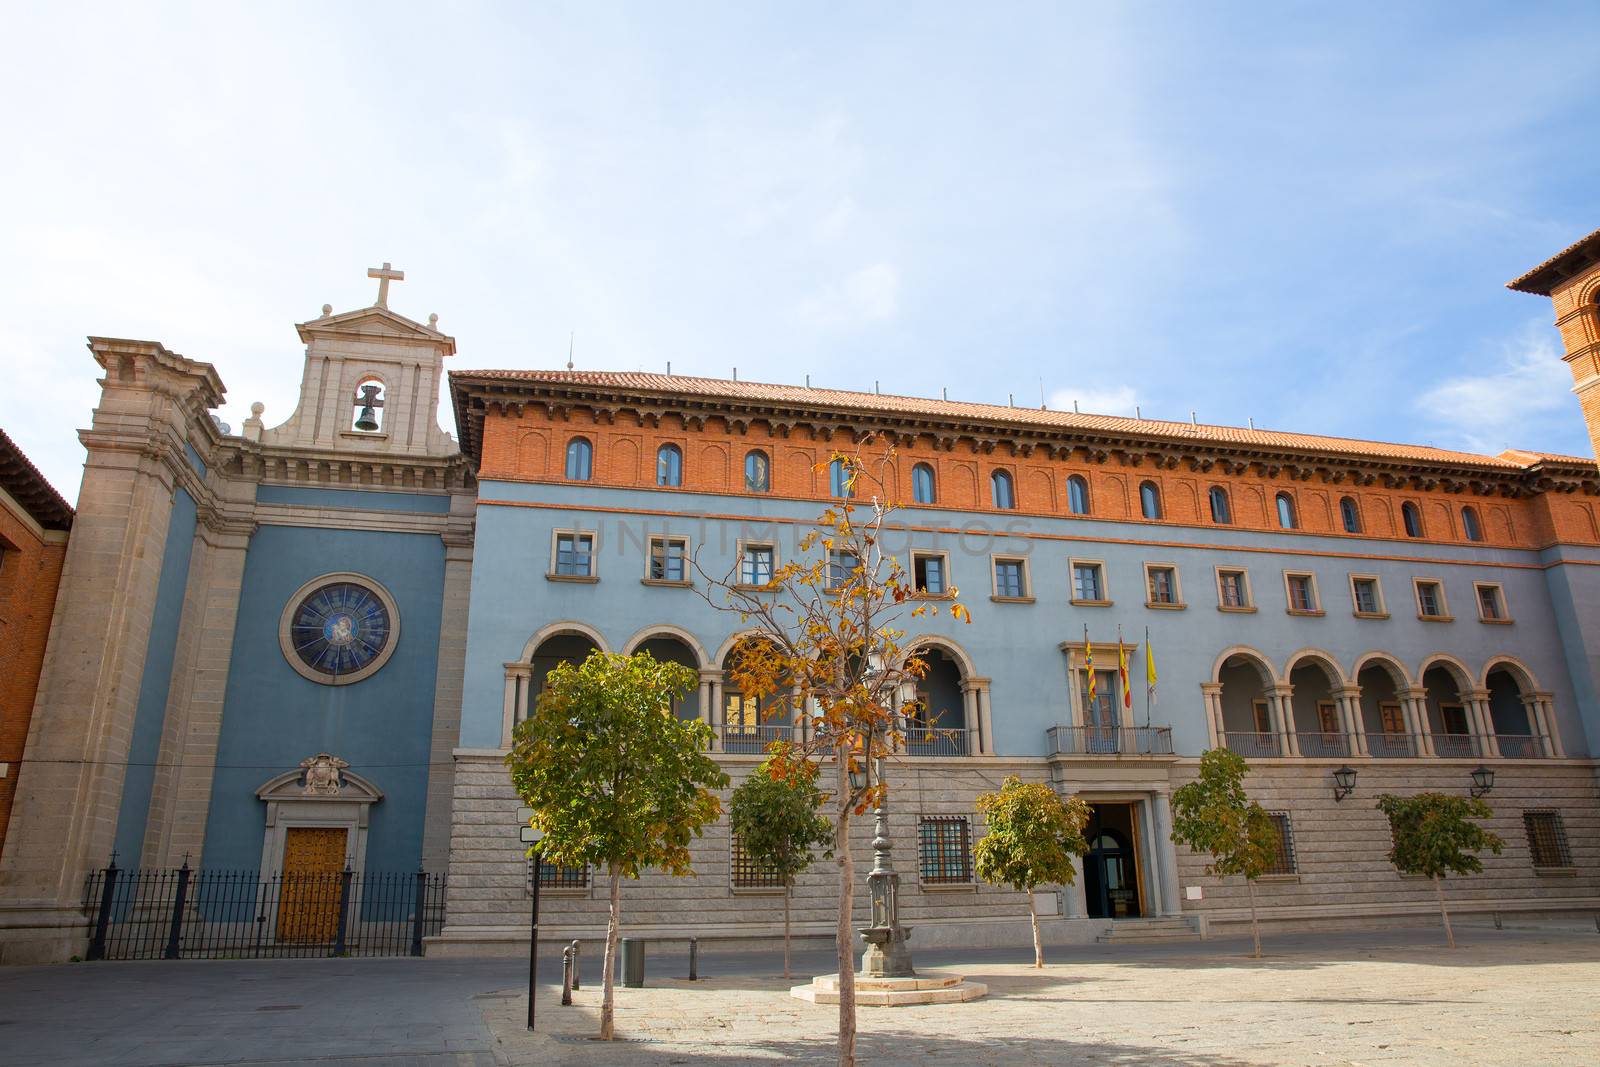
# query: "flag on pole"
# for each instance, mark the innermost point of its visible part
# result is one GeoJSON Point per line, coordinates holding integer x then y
{"type": "Point", "coordinates": [1122, 672]}
{"type": "Point", "coordinates": [1149, 667]}
{"type": "Point", "coordinates": [1088, 665]}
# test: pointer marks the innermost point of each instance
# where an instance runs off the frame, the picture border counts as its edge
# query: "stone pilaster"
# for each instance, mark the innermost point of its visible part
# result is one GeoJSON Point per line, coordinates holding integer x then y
{"type": "Point", "coordinates": [1216, 731]}
{"type": "Point", "coordinates": [451, 672]}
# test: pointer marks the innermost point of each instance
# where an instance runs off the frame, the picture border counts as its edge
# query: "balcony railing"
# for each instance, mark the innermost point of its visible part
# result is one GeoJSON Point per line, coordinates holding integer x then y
{"type": "Point", "coordinates": [1109, 740]}
{"type": "Point", "coordinates": [1455, 745]}
{"type": "Point", "coordinates": [939, 741]}
{"type": "Point", "coordinates": [1521, 746]}
{"type": "Point", "coordinates": [1253, 746]}
{"type": "Point", "coordinates": [1392, 746]}
{"type": "Point", "coordinates": [753, 740]}
{"type": "Point", "coordinates": [1323, 745]}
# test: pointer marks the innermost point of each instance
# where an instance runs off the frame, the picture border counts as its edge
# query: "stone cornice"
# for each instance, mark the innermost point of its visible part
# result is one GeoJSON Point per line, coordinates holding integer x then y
{"type": "Point", "coordinates": [277, 465]}
{"type": "Point", "coordinates": [474, 399]}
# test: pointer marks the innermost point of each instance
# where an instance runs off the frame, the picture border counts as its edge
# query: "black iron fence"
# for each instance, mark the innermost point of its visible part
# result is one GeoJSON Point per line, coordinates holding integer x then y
{"type": "Point", "coordinates": [139, 914]}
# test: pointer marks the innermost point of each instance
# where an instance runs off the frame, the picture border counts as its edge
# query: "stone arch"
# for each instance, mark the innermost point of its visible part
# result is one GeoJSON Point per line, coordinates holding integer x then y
{"type": "Point", "coordinates": [1458, 671]}
{"type": "Point", "coordinates": [1307, 656]}
{"type": "Point", "coordinates": [560, 629]}
{"type": "Point", "coordinates": [1246, 708]}
{"type": "Point", "coordinates": [1513, 714]}
{"type": "Point", "coordinates": [1386, 662]}
{"type": "Point", "coordinates": [734, 640]}
{"type": "Point", "coordinates": [1383, 682]}
{"type": "Point", "coordinates": [1315, 681]}
{"type": "Point", "coordinates": [1526, 681]}
{"type": "Point", "coordinates": [1450, 714]}
{"type": "Point", "coordinates": [655, 630]}
{"type": "Point", "coordinates": [946, 645]}
{"type": "Point", "coordinates": [1258, 659]}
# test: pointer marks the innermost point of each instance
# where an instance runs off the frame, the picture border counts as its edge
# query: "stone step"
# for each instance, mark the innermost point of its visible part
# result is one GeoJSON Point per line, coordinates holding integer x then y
{"type": "Point", "coordinates": [893, 992]}
{"type": "Point", "coordinates": [1136, 931]}
{"type": "Point", "coordinates": [1150, 938]}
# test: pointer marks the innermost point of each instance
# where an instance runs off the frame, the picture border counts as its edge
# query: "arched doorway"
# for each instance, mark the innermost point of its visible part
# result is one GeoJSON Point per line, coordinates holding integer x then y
{"type": "Point", "coordinates": [1111, 866]}
{"type": "Point", "coordinates": [1247, 720]}
{"type": "Point", "coordinates": [938, 725]}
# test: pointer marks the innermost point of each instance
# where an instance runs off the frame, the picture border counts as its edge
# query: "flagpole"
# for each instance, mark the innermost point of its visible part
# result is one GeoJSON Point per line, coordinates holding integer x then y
{"type": "Point", "coordinates": [1147, 678]}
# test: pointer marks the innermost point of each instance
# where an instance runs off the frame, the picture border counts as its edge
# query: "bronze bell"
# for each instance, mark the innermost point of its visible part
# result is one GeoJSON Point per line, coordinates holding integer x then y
{"type": "Point", "coordinates": [368, 419]}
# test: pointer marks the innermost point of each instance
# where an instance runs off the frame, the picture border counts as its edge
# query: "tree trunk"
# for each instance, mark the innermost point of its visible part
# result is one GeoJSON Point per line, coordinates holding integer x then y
{"type": "Point", "coordinates": [788, 889]}
{"type": "Point", "coordinates": [843, 944]}
{"type": "Point", "coordinates": [1255, 930]}
{"type": "Point", "coordinates": [613, 928]}
{"type": "Point", "coordinates": [1033, 917]}
{"type": "Point", "coordinates": [1438, 887]}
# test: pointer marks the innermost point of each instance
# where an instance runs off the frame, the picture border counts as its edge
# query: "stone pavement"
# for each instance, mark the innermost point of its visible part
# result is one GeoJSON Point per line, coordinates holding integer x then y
{"type": "Point", "coordinates": [1382, 997]}
{"type": "Point", "coordinates": [1378, 997]}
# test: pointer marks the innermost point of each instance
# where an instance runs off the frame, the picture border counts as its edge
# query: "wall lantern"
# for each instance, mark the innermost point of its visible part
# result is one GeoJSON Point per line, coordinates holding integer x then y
{"type": "Point", "coordinates": [1344, 782]}
{"type": "Point", "coordinates": [1482, 781]}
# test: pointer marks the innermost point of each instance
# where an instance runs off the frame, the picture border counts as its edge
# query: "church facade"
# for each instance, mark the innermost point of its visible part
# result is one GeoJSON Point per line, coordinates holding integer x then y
{"type": "Point", "coordinates": [308, 644]}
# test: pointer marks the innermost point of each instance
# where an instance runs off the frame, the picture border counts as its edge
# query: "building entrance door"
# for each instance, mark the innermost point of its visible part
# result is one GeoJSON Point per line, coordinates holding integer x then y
{"type": "Point", "coordinates": [1110, 867]}
{"type": "Point", "coordinates": [308, 895]}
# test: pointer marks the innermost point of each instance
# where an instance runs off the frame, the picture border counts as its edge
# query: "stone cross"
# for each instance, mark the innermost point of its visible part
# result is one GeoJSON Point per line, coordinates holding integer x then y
{"type": "Point", "coordinates": [385, 275]}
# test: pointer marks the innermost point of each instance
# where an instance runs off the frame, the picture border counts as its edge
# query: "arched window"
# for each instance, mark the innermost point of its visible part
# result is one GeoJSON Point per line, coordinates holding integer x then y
{"type": "Point", "coordinates": [669, 465]}
{"type": "Point", "coordinates": [1286, 516]}
{"type": "Point", "coordinates": [839, 479]}
{"type": "Point", "coordinates": [1000, 490]}
{"type": "Point", "coordinates": [922, 484]}
{"type": "Point", "coordinates": [1221, 513]}
{"type": "Point", "coordinates": [580, 460]}
{"type": "Point", "coordinates": [1150, 500]}
{"type": "Point", "coordinates": [1078, 495]}
{"type": "Point", "coordinates": [1470, 523]}
{"type": "Point", "coordinates": [1413, 519]}
{"type": "Point", "coordinates": [757, 472]}
{"type": "Point", "coordinates": [1349, 514]}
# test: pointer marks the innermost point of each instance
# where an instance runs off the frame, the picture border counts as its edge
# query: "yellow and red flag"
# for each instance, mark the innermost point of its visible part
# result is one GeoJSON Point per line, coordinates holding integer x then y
{"type": "Point", "coordinates": [1088, 665]}
{"type": "Point", "coordinates": [1122, 672]}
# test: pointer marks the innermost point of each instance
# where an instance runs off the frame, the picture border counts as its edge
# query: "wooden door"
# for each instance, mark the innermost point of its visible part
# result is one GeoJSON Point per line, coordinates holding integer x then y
{"type": "Point", "coordinates": [308, 897]}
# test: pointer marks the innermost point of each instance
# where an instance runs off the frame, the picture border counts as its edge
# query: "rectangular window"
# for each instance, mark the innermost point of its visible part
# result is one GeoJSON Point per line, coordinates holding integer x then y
{"type": "Point", "coordinates": [841, 568]}
{"type": "Point", "coordinates": [1284, 861]}
{"type": "Point", "coordinates": [1102, 714]}
{"type": "Point", "coordinates": [1430, 600]}
{"type": "Point", "coordinates": [1547, 839]}
{"type": "Point", "coordinates": [1392, 718]}
{"type": "Point", "coordinates": [1233, 589]}
{"type": "Point", "coordinates": [746, 872]}
{"type": "Point", "coordinates": [1302, 589]}
{"type": "Point", "coordinates": [1010, 579]}
{"type": "Point", "coordinates": [1163, 584]}
{"type": "Point", "coordinates": [1454, 717]}
{"type": "Point", "coordinates": [1088, 582]}
{"type": "Point", "coordinates": [755, 565]}
{"type": "Point", "coordinates": [552, 876]}
{"type": "Point", "coordinates": [1263, 716]}
{"type": "Point", "coordinates": [1366, 594]}
{"type": "Point", "coordinates": [929, 573]}
{"type": "Point", "coordinates": [667, 559]}
{"type": "Point", "coordinates": [945, 850]}
{"type": "Point", "coordinates": [1491, 602]}
{"type": "Point", "coordinates": [1328, 717]}
{"type": "Point", "coordinates": [575, 555]}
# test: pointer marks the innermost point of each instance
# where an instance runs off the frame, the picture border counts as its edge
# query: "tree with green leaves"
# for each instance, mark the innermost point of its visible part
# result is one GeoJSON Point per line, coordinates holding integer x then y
{"type": "Point", "coordinates": [775, 818]}
{"type": "Point", "coordinates": [1033, 838]}
{"type": "Point", "coordinates": [1434, 836]}
{"type": "Point", "coordinates": [614, 778]}
{"type": "Point", "coordinates": [1213, 814]}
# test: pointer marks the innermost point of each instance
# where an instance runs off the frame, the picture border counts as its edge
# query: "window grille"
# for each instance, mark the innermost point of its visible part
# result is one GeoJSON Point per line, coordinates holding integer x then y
{"type": "Point", "coordinates": [1547, 839]}
{"type": "Point", "coordinates": [945, 852]}
{"type": "Point", "coordinates": [1284, 861]}
{"type": "Point", "coordinates": [553, 876]}
{"type": "Point", "coordinates": [746, 872]}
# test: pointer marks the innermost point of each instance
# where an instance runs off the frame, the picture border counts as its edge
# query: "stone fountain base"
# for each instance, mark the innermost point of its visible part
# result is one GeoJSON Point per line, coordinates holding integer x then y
{"type": "Point", "coordinates": [893, 992]}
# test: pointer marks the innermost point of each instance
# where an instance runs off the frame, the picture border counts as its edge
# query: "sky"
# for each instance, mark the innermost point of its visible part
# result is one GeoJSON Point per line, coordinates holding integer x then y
{"type": "Point", "coordinates": [1303, 215]}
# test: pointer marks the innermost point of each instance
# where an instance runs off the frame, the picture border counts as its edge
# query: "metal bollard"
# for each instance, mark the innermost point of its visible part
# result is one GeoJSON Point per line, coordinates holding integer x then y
{"type": "Point", "coordinates": [694, 954]}
{"type": "Point", "coordinates": [575, 965]}
{"type": "Point", "coordinates": [566, 976]}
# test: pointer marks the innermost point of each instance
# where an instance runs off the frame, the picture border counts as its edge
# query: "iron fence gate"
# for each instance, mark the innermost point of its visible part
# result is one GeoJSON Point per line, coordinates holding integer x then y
{"type": "Point", "coordinates": [140, 914]}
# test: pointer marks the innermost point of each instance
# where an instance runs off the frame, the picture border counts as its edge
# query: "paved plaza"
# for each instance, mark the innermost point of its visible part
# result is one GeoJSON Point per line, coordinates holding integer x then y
{"type": "Point", "coordinates": [1524, 996]}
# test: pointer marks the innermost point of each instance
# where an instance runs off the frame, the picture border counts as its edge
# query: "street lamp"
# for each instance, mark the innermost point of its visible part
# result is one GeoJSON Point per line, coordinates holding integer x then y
{"type": "Point", "coordinates": [532, 836]}
{"type": "Point", "coordinates": [1344, 782]}
{"type": "Point", "coordinates": [1482, 781]}
{"type": "Point", "coordinates": [887, 955]}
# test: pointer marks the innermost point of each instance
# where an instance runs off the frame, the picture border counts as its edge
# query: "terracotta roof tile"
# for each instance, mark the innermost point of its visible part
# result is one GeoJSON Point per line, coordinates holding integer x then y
{"type": "Point", "coordinates": [957, 411]}
{"type": "Point", "coordinates": [1547, 275]}
{"type": "Point", "coordinates": [22, 480]}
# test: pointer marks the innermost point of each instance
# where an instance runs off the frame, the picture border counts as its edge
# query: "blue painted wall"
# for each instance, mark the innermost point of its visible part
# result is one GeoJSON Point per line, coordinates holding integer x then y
{"type": "Point", "coordinates": [352, 498]}
{"type": "Point", "coordinates": [1016, 644]}
{"type": "Point", "coordinates": [273, 718]}
{"type": "Point", "coordinates": [156, 681]}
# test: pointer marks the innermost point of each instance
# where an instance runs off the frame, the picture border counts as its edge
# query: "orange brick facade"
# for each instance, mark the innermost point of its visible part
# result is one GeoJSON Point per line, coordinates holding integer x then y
{"type": "Point", "coordinates": [531, 446]}
{"type": "Point", "coordinates": [30, 571]}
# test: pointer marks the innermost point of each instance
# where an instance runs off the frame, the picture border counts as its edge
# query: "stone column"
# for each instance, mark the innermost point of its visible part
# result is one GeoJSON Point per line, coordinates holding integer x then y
{"type": "Point", "coordinates": [703, 694]}
{"type": "Point", "coordinates": [1166, 854]}
{"type": "Point", "coordinates": [514, 707]}
{"type": "Point", "coordinates": [1281, 700]}
{"type": "Point", "coordinates": [448, 682]}
{"type": "Point", "coordinates": [1349, 698]}
{"type": "Point", "coordinates": [985, 722]}
{"type": "Point", "coordinates": [969, 706]}
{"type": "Point", "coordinates": [1414, 704]}
{"type": "Point", "coordinates": [1481, 719]}
{"type": "Point", "coordinates": [1216, 730]}
{"type": "Point", "coordinates": [1542, 713]}
{"type": "Point", "coordinates": [715, 678]}
{"type": "Point", "coordinates": [1074, 902]}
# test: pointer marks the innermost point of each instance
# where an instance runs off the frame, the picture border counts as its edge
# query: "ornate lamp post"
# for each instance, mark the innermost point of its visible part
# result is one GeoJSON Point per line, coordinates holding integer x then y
{"type": "Point", "coordinates": [887, 954]}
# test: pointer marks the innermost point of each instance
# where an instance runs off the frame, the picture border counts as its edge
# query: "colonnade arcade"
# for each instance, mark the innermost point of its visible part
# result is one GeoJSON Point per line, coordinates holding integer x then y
{"type": "Point", "coordinates": [951, 715]}
{"type": "Point", "coordinates": [1312, 707]}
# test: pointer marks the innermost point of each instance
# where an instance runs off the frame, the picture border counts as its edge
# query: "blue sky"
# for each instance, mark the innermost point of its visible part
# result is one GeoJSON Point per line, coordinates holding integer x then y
{"type": "Point", "coordinates": [1303, 215]}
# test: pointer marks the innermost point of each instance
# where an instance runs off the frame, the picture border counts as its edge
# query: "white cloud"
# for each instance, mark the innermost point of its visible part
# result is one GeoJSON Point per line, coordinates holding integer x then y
{"type": "Point", "coordinates": [1114, 400]}
{"type": "Point", "coordinates": [1503, 408]}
